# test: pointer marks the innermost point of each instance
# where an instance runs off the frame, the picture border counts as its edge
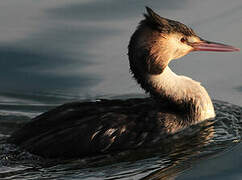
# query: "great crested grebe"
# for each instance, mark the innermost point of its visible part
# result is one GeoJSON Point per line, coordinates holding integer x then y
{"type": "Point", "coordinates": [89, 128]}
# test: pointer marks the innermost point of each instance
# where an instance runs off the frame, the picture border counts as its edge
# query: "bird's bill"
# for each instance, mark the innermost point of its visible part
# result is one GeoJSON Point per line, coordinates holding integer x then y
{"type": "Point", "coordinates": [212, 46]}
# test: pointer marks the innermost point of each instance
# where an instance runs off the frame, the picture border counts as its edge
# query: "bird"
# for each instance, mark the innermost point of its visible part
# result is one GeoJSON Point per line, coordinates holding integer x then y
{"type": "Point", "coordinates": [84, 129]}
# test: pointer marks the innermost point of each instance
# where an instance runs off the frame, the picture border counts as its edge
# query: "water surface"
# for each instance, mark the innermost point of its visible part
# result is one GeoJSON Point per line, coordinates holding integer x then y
{"type": "Point", "coordinates": [52, 52]}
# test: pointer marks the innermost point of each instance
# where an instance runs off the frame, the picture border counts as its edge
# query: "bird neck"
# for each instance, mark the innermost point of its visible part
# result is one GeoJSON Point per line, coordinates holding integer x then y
{"type": "Point", "coordinates": [180, 95]}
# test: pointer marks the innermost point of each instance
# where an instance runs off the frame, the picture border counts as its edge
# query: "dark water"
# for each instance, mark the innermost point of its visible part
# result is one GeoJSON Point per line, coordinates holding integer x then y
{"type": "Point", "coordinates": [52, 52]}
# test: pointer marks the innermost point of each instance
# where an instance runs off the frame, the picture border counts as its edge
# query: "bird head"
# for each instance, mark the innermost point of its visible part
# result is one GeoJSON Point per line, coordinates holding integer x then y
{"type": "Point", "coordinates": [158, 40]}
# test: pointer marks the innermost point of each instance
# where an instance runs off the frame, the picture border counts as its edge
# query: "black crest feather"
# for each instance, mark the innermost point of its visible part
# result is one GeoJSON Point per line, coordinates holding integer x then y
{"type": "Point", "coordinates": [166, 25]}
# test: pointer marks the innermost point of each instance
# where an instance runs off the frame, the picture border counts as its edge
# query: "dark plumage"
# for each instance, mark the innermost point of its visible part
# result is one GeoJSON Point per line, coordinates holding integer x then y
{"type": "Point", "coordinates": [88, 128]}
{"type": "Point", "coordinates": [166, 25]}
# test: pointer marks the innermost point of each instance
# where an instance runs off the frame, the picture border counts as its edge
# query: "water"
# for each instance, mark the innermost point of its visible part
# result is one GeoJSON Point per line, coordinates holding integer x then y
{"type": "Point", "coordinates": [52, 52]}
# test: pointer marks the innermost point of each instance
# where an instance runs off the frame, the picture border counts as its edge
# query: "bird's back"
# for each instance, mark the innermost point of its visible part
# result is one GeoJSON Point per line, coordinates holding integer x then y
{"type": "Point", "coordinates": [87, 128]}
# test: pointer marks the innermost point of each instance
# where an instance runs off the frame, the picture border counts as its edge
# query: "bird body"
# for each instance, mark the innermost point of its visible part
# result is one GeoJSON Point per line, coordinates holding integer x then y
{"type": "Point", "coordinates": [88, 128]}
{"type": "Point", "coordinates": [82, 129]}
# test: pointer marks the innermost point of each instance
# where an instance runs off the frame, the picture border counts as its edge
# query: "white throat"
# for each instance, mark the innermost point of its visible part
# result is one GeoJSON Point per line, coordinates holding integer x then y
{"type": "Point", "coordinates": [182, 89]}
{"type": "Point", "coordinates": [167, 79]}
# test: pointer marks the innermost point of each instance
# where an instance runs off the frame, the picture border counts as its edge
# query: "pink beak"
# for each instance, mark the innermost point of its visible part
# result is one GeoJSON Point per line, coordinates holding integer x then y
{"type": "Point", "coordinates": [212, 46]}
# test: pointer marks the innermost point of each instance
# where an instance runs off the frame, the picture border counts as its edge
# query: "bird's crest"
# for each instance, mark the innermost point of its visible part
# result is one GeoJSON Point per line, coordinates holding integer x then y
{"type": "Point", "coordinates": [166, 25]}
{"type": "Point", "coordinates": [155, 18]}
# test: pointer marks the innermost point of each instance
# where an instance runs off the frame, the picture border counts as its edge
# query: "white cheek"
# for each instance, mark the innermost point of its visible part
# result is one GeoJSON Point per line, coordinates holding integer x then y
{"type": "Point", "coordinates": [173, 47]}
{"type": "Point", "coordinates": [180, 49]}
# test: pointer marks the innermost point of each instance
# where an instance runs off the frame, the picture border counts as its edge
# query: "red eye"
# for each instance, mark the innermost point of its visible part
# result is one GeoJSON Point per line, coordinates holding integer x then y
{"type": "Point", "coordinates": [183, 39]}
